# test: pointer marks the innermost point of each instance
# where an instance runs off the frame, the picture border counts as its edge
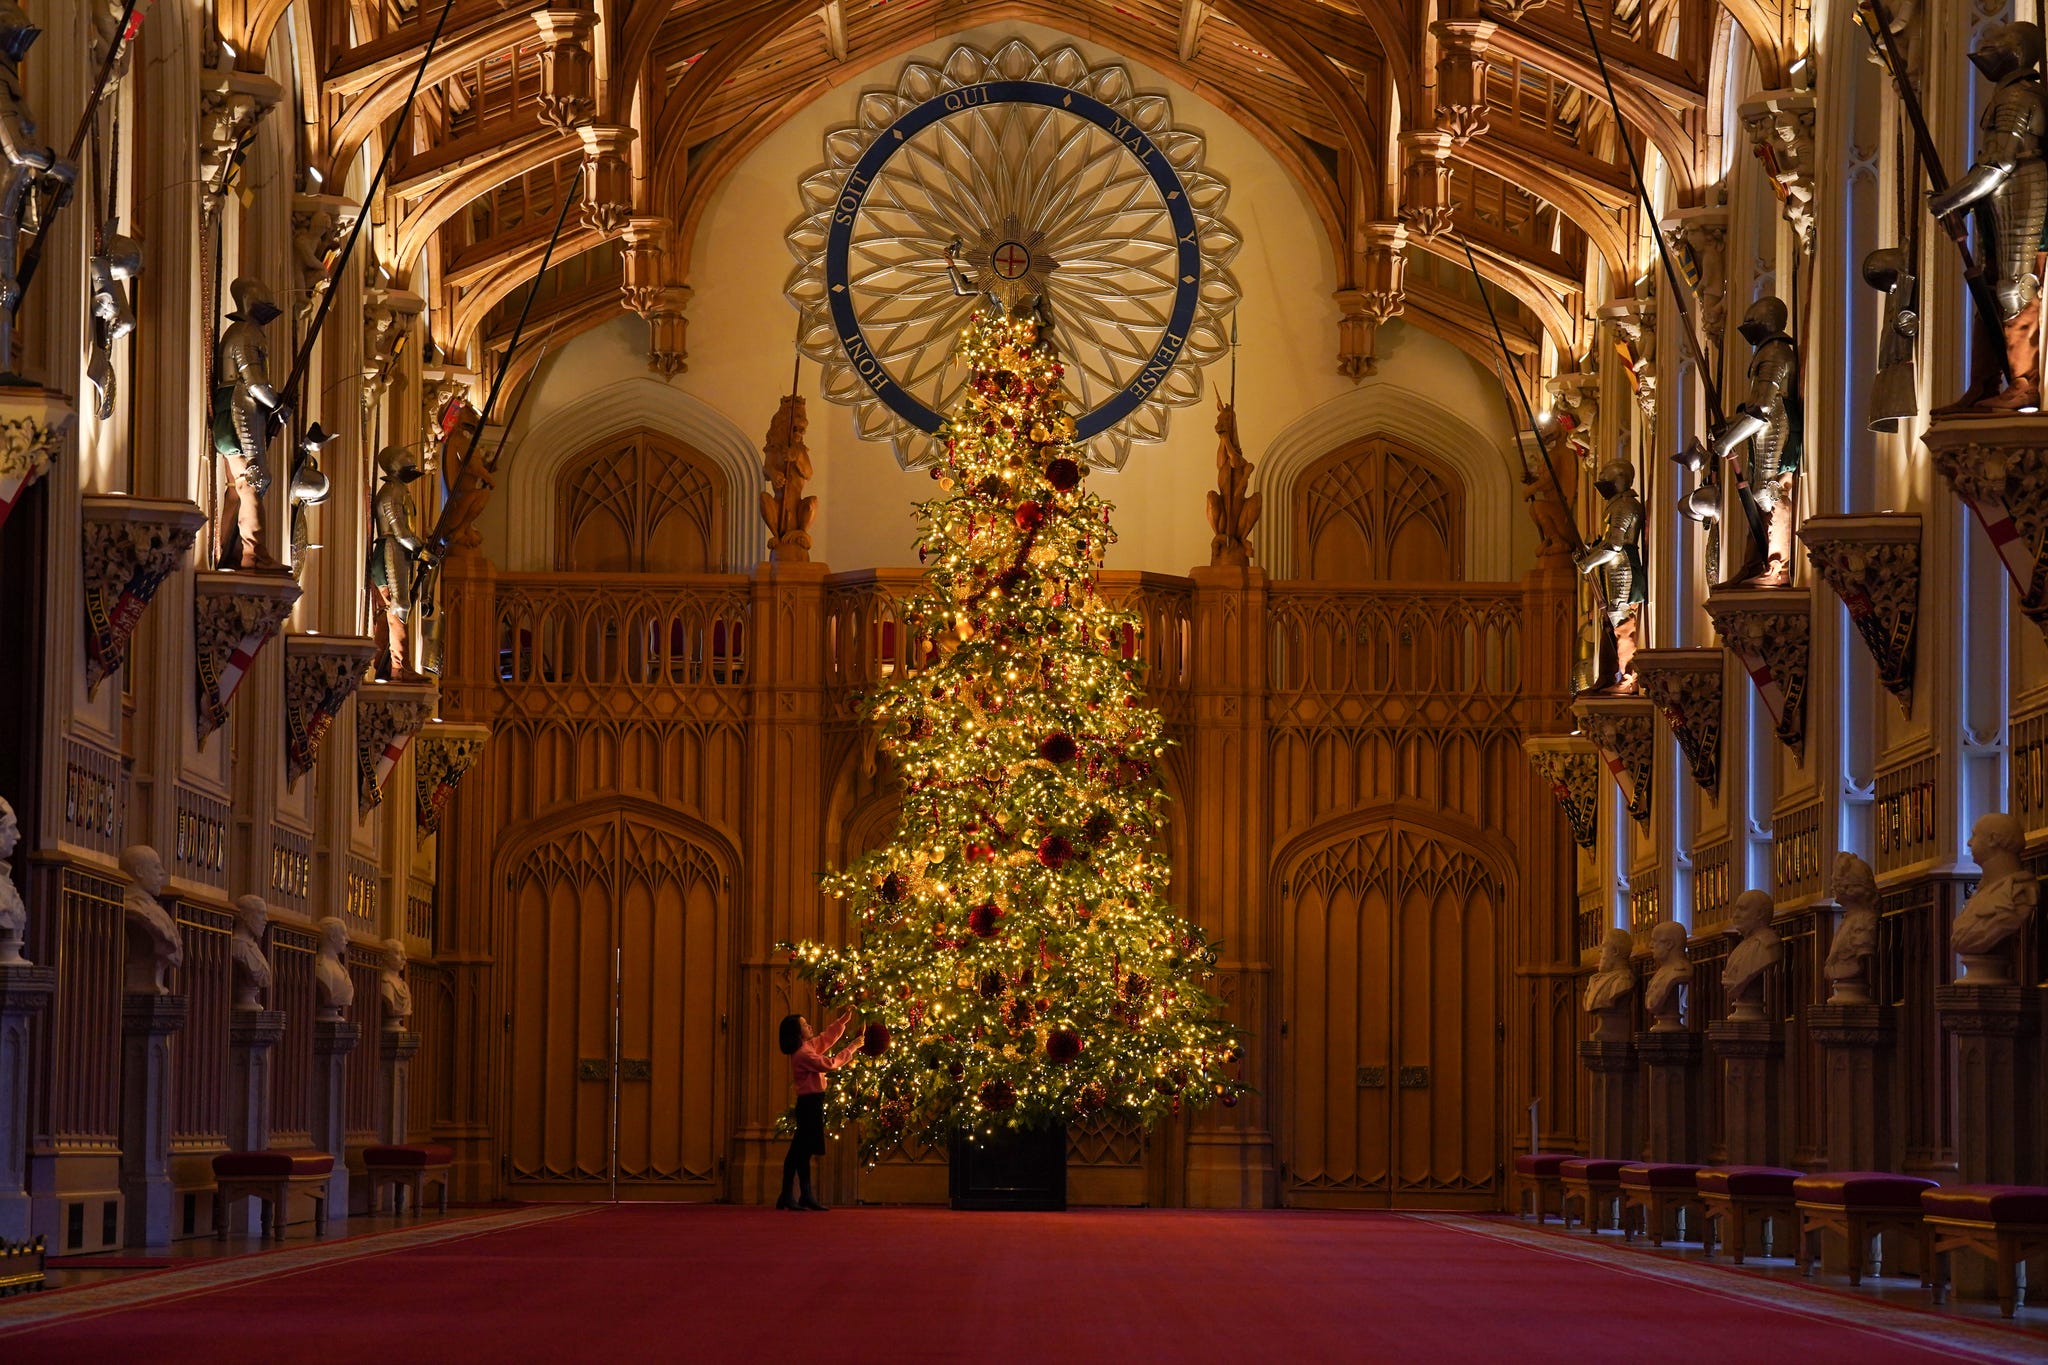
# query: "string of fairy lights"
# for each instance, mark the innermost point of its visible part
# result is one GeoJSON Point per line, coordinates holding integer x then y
{"type": "Point", "coordinates": [1015, 959]}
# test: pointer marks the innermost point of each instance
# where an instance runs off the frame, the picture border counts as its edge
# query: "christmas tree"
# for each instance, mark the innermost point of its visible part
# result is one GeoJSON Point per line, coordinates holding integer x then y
{"type": "Point", "coordinates": [1015, 955]}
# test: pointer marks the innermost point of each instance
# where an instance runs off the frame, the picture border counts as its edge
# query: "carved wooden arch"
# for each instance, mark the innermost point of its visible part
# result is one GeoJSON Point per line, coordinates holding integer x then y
{"type": "Point", "coordinates": [667, 478]}
{"type": "Point", "coordinates": [1495, 852]}
{"type": "Point", "coordinates": [514, 271]}
{"type": "Point", "coordinates": [517, 841]}
{"type": "Point", "coordinates": [1600, 224]}
{"type": "Point", "coordinates": [705, 76]}
{"type": "Point", "coordinates": [1640, 112]}
{"type": "Point", "coordinates": [418, 224]}
{"type": "Point", "coordinates": [1432, 497]}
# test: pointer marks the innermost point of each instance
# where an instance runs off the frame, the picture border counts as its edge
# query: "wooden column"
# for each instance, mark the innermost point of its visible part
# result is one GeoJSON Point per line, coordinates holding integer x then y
{"type": "Point", "coordinates": [1230, 1151]}
{"type": "Point", "coordinates": [778, 899]}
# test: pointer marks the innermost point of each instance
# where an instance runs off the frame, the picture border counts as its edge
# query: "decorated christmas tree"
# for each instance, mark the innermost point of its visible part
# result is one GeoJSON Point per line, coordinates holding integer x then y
{"type": "Point", "coordinates": [1014, 955]}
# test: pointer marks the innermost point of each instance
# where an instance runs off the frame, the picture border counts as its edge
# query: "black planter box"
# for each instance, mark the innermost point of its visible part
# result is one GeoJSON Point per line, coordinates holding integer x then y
{"type": "Point", "coordinates": [1011, 1170]}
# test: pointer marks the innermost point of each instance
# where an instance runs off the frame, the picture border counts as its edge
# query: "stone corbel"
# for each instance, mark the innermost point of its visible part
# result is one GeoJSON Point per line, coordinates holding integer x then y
{"type": "Point", "coordinates": [607, 177]}
{"type": "Point", "coordinates": [319, 222]}
{"type": "Point", "coordinates": [1634, 322]}
{"type": "Point", "coordinates": [388, 315]}
{"type": "Point", "coordinates": [131, 546]}
{"type": "Point", "coordinates": [1575, 402]}
{"type": "Point", "coordinates": [1364, 310]}
{"type": "Point", "coordinates": [1687, 686]}
{"type": "Point", "coordinates": [1461, 76]}
{"type": "Point", "coordinates": [233, 616]}
{"type": "Point", "coordinates": [388, 715]}
{"type": "Point", "coordinates": [566, 85]}
{"type": "Point", "coordinates": [34, 424]}
{"type": "Point", "coordinates": [442, 756]}
{"type": "Point", "coordinates": [1624, 730]}
{"type": "Point", "coordinates": [1873, 564]}
{"type": "Point", "coordinates": [321, 672]}
{"type": "Point", "coordinates": [1780, 127]}
{"type": "Point", "coordinates": [1426, 183]}
{"type": "Point", "coordinates": [1699, 243]}
{"type": "Point", "coordinates": [1572, 768]}
{"type": "Point", "coordinates": [231, 104]}
{"type": "Point", "coordinates": [1998, 466]}
{"type": "Point", "coordinates": [649, 292]}
{"type": "Point", "coordinates": [1771, 632]}
{"type": "Point", "coordinates": [441, 385]}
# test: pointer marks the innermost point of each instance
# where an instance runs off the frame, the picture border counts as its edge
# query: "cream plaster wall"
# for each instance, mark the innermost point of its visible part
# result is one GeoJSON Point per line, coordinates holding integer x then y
{"type": "Point", "coordinates": [742, 332]}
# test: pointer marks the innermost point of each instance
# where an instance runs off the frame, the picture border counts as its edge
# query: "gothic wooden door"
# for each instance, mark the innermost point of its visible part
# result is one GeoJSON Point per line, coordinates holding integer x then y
{"type": "Point", "coordinates": [1388, 1084]}
{"type": "Point", "coordinates": [619, 943]}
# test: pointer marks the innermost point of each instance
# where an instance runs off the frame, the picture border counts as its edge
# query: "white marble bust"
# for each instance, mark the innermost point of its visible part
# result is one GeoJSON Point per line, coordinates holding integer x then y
{"type": "Point", "coordinates": [2006, 897]}
{"type": "Point", "coordinates": [245, 953]}
{"type": "Point", "coordinates": [13, 913]}
{"type": "Point", "coordinates": [391, 986]}
{"type": "Point", "coordinates": [1664, 997]}
{"type": "Point", "coordinates": [1854, 887]}
{"type": "Point", "coordinates": [330, 972]}
{"type": "Point", "coordinates": [1742, 976]}
{"type": "Point", "coordinates": [1609, 989]}
{"type": "Point", "coordinates": [155, 946]}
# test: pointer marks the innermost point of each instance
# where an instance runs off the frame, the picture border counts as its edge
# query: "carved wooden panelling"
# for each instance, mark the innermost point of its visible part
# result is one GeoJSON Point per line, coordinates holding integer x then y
{"type": "Point", "coordinates": [200, 852]}
{"type": "Point", "coordinates": [292, 951]}
{"type": "Point", "coordinates": [363, 1068]}
{"type": "Point", "coordinates": [1378, 510]}
{"type": "Point", "coordinates": [559, 634]}
{"type": "Point", "coordinates": [291, 869]}
{"type": "Point", "coordinates": [1710, 891]}
{"type": "Point", "coordinates": [1907, 812]}
{"type": "Point", "coordinates": [1796, 855]}
{"type": "Point", "coordinates": [77, 1103]}
{"type": "Point", "coordinates": [93, 797]}
{"type": "Point", "coordinates": [639, 503]}
{"type": "Point", "coordinates": [620, 889]}
{"type": "Point", "coordinates": [1387, 958]}
{"type": "Point", "coordinates": [199, 1051]}
{"type": "Point", "coordinates": [1912, 952]}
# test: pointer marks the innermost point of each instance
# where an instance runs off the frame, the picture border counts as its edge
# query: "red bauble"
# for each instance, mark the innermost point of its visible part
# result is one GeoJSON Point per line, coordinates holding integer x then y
{"type": "Point", "coordinates": [1063, 474]}
{"type": "Point", "coordinates": [1054, 851]}
{"type": "Point", "coordinates": [978, 852]}
{"type": "Point", "coordinates": [1029, 516]}
{"type": "Point", "coordinates": [990, 984]}
{"type": "Point", "coordinates": [1099, 827]}
{"type": "Point", "coordinates": [1230, 1100]}
{"type": "Point", "coordinates": [1058, 747]}
{"type": "Point", "coordinates": [1091, 1098]}
{"type": "Point", "coordinates": [1136, 987]}
{"type": "Point", "coordinates": [988, 428]}
{"type": "Point", "coordinates": [874, 1040]}
{"type": "Point", "coordinates": [892, 887]}
{"type": "Point", "coordinates": [1018, 1016]}
{"type": "Point", "coordinates": [982, 919]}
{"type": "Point", "coordinates": [998, 1095]}
{"type": "Point", "coordinates": [1062, 1045]}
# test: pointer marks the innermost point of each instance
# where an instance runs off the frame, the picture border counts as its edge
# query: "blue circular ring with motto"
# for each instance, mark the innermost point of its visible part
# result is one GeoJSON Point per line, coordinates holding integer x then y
{"type": "Point", "coordinates": [1181, 214]}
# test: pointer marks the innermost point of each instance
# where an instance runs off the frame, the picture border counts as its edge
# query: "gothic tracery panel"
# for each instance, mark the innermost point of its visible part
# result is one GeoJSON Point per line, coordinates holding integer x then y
{"type": "Point", "coordinates": [639, 503]}
{"type": "Point", "coordinates": [1378, 510]}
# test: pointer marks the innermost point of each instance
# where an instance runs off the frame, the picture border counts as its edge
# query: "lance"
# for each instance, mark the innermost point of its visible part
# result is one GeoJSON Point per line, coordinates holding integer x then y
{"type": "Point", "coordinates": [1529, 409]}
{"type": "Point", "coordinates": [355, 230]}
{"type": "Point", "coordinates": [437, 543]}
{"type": "Point", "coordinates": [1876, 22]}
{"type": "Point", "coordinates": [1758, 527]}
{"type": "Point", "coordinates": [32, 259]}
{"type": "Point", "coordinates": [1233, 359]}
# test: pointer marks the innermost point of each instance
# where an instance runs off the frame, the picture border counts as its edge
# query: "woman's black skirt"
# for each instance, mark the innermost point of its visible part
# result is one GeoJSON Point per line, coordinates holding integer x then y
{"type": "Point", "coordinates": [810, 1126]}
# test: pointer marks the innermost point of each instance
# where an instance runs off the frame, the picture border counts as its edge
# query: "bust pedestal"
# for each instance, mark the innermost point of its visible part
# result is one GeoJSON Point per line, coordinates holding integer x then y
{"type": "Point", "coordinates": [24, 992]}
{"type": "Point", "coordinates": [396, 1048]}
{"type": "Point", "coordinates": [1612, 1066]}
{"type": "Point", "coordinates": [1671, 1062]}
{"type": "Point", "coordinates": [333, 1040]}
{"type": "Point", "coordinates": [1994, 1086]}
{"type": "Point", "coordinates": [251, 1036]}
{"type": "Point", "coordinates": [1855, 1040]}
{"type": "Point", "coordinates": [1751, 1052]}
{"type": "Point", "coordinates": [148, 1022]}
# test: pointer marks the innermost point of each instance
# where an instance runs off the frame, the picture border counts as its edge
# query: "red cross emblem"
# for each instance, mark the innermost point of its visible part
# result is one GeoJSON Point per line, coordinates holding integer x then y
{"type": "Point", "coordinates": [1012, 260]}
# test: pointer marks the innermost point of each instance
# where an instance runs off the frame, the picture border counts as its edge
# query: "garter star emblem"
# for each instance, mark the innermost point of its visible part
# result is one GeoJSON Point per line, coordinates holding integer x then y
{"type": "Point", "coordinates": [1035, 180]}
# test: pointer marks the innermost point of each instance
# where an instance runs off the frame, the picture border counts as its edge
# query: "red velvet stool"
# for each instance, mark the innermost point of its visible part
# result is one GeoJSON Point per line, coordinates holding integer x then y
{"type": "Point", "coordinates": [1734, 1195]}
{"type": "Point", "coordinates": [408, 1167]}
{"type": "Point", "coordinates": [1586, 1179]}
{"type": "Point", "coordinates": [1536, 1179]}
{"type": "Point", "coordinates": [2008, 1223]}
{"type": "Point", "coordinates": [270, 1177]}
{"type": "Point", "coordinates": [1660, 1189]}
{"type": "Point", "coordinates": [1860, 1205]}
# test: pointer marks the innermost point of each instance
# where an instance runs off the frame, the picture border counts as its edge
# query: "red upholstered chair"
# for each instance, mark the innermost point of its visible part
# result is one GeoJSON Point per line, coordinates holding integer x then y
{"type": "Point", "coordinates": [1537, 1181]}
{"type": "Point", "coordinates": [1587, 1179]}
{"type": "Point", "coordinates": [1859, 1205]}
{"type": "Point", "coordinates": [1735, 1195]}
{"type": "Point", "coordinates": [1661, 1189]}
{"type": "Point", "coordinates": [270, 1177]}
{"type": "Point", "coordinates": [2008, 1223]}
{"type": "Point", "coordinates": [408, 1167]}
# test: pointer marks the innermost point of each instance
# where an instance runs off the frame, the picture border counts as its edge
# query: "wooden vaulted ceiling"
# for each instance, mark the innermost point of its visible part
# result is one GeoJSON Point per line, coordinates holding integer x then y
{"type": "Point", "coordinates": [1328, 86]}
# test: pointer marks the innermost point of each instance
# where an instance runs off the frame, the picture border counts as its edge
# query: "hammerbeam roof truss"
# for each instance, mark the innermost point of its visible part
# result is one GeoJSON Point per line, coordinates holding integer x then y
{"type": "Point", "coordinates": [1325, 85]}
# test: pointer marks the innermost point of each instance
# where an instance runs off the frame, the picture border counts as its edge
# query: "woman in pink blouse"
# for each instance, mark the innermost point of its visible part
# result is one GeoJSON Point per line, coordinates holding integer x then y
{"type": "Point", "coordinates": [810, 1059]}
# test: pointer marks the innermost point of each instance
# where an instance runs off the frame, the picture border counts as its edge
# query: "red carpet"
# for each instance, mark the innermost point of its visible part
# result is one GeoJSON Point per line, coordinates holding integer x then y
{"type": "Point", "coordinates": [715, 1284]}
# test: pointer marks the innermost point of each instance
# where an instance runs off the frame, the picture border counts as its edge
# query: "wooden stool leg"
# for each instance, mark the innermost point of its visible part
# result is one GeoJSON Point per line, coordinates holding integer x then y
{"type": "Point", "coordinates": [2008, 1274]}
{"type": "Point", "coordinates": [270, 1219]}
{"type": "Point", "coordinates": [1859, 1248]}
{"type": "Point", "coordinates": [444, 1194]}
{"type": "Point", "coordinates": [320, 1211]}
{"type": "Point", "coordinates": [1807, 1233]}
{"type": "Point", "coordinates": [220, 1215]}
